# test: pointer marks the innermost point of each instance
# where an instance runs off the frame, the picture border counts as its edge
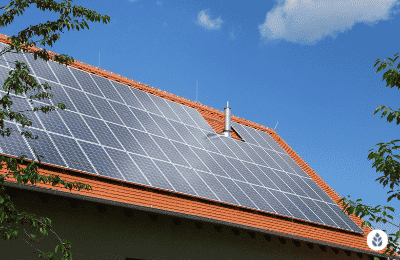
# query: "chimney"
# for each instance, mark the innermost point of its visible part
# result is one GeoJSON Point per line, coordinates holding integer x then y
{"type": "Point", "coordinates": [227, 130]}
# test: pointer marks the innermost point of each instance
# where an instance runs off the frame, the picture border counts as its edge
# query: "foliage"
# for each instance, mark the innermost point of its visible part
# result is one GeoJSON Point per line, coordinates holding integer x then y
{"type": "Point", "coordinates": [20, 81]}
{"type": "Point", "coordinates": [385, 162]}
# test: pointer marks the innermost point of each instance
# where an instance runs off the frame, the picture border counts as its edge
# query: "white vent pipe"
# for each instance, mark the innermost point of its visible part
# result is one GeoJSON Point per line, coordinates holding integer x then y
{"type": "Point", "coordinates": [227, 130]}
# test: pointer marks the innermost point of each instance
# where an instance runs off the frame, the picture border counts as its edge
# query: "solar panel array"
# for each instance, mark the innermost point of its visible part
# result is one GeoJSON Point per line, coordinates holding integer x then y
{"type": "Point", "coordinates": [113, 130]}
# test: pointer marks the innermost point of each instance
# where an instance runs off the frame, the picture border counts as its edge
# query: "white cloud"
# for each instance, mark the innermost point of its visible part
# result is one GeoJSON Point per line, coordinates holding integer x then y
{"type": "Point", "coordinates": [204, 20]}
{"type": "Point", "coordinates": [308, 21]}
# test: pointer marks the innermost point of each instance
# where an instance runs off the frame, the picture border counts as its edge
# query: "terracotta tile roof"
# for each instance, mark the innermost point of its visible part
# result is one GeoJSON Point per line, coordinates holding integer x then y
{"type": "Point", "coordinates": [120, 191]}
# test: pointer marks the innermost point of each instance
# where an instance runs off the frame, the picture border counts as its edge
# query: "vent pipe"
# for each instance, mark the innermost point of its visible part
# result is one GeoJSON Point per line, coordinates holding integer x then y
{"type": "Point", "coordinates": [227, 130]}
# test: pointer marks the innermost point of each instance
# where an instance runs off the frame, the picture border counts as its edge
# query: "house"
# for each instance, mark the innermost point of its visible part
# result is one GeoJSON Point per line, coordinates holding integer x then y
{"type": "Point", "coordinates": [171, 178]}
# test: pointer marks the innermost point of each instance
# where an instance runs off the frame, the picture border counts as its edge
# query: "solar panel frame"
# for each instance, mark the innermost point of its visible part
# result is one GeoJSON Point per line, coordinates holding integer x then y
{"type": "Point", "coordinates": [278, 207]}
{"type": "Point", "coordinates": [202, 139]}
{"type": "Point", "coordinates": [289, 205]}
{"type": "Point", "coordinates": [244, 172]}
{"type": "Point", "coordinates": [165, 109]}
{"type": "Point", "coordinates": [297, 169]}
{"type": "Point", "coordinates": [320, 213]}
{"type": "Point", "coordinates": [266, 157]}
{"type": "Point", "coordinates": [15, 144]}
{"type": "Point", "coordinates": [236, 150]}
{"type": "Point", "coordinates": [275, 146]}
{"type": "Point", "coordinates": [198, 119]}
{"type": "Point", "coordinates": [185, 134]}
{"type": "Point", "coordinates": [276, 179]}
{"type": "Point", "coordinates": [243, 133]}
{"type": "Point", "coordinates": [255, 197]}
{"type": "Point", "coordinates": [260, 175]}
{"type": "Point", "coordinates": [52, 121]}
{"type": "Point", "coordinates": [147, 122]}
{"type": "Point", "coordinates": [227, 167]}
{"type": "Point", "coordinates": [345, 218]}
{"type": "Point", "coordinates": [311, 216]}
{"type": "Point", "coordinates": [167, 128]}
{"type": "Point", "coordinates": [59, 96]}
{"type": "Point", "coordinates": [222, 147]}
{"type": "Point", "coordinates": [275, 156]}
{"type": "Point", "coordinates": [182, 114]}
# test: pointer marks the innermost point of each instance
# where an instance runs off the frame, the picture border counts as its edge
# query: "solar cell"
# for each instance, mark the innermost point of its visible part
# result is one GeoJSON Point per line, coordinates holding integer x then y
{"type": "Point", "coordinates": [14, 144]}
{"type": "Point", "coordinates": [190, 156]}
{"type": "Point", "coordinates": [167, 128]}
{"type": "Point", "coordinates": [254, 134]}
{"type": "Point", "coordinates": [266, 182]}
{"type": "Point", "coordinates": [33, 92]}
{"type": "Point", "coordinates": [242, 169]}
{"type": "Point", "coordinates": [127, 167]}
{"type": "Point", "coordinates": [314, 207]}
{"type": "Point", "coordinates": [127, 95]}
{"type": "Point", "coordinates": [107, 88]}
{"type": "Point", "coordinates": [275, 179]}
{"type": "Point", "coordinates": [40, 68]}
{"type": "Point", "coordinates": [181, 113]}
{"type": "Point", "coordinates": [221, 146]}
{"type": "Point", "coordinates": [286, 177]}
{"type": "Point", "coordinates": [266, 157]}
{"type": "Point", "coordinates": [52, 121]}
{"type": "Point", "coordinates": [77, 126]}
{"type": "Point", "coordinates": [243, 133]}
{"type": "Point", "coordinates": [81, 102]}
{"type": "Point", "coordinates": [239, 153]}
{"type": "Point", "coordinates": [345, 218]}
{"type": "Point", "coordinates": [255, 197]}
{"type": "Point", "coordinates": [104, 109]}
{"type": "Point", "coordinates": [289, 205]}
{"type": "Point", "coordinates": [59, 96]}
{"type": "Point", "coordinates": [236, 192]}
{"type": "Point", "coordinates": [218, 189]}
{"type": "Point", "coordinates": [148, 145]}
{"type": "Point", "coordinates": [202, 139]}
{"type": "Point", "coordinates": [147, 103]}
{"type": "Point", "coordinates": [64, 75]}
{"type": "Point", "coordinates": [101, 161]}
{"type": "Point", "coordinates": [297, 169]}
{"type": "Point", "coordinates": [227, 166]}
{"type": "Point", "coordinates": [86, 82]}
{"type": "Point", "coordinates": [304, 186]}
{"type": "Point", "coordinates": [152, 173]}
{"type": "Point", "coordinates": [11, 57]}
{"type": "Point", "coordinates": [22, 105]}
{"type": "Point", "coordinates": [198, 119]}
{"type": "Point", "coordinates": [126, 139]}
{"type": "Point", "coordinates": [101, 131]}
{"type": "Point", "coordinates": [272, 201]}
{"type": "Point", "coordinates": [147, 122]}
{"type": "Point", "coordinates": [196, 183]}
{"type": "Point", "coordinates": [271, 141]}
{"type": "Point", "coordinates": [175, 178]}
{"type": "Point", "coordinates": [126, 115]}
{"type": "Point", "coordinates": [45, 147]}
{"type": "Point", "coordinates": [251, 153]}
{"type": "Point", "coordinates": [164, 108]}
{"type": "Point", "coordinates": [170, 151]}
{"type": "Point", "coordinates": [332, 215]}
{"type": "Point", "coordinates": [318, 190]}
{"type": "Point", "coordinates": [311, 216]}
{"type": "Point", "coordinates": [185, 134]}
{"type": "Point", "coordinates": [209, 162]}
{"type": "Point", "coordinates": [275, 156]}
{"type": "Point", "coordinates": [72, 153]}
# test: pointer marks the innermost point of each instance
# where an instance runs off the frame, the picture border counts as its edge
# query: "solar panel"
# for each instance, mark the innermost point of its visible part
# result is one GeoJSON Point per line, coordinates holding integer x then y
{"type": "Point", "coordinates": [64, 75]}
{"type": "Point", "coordinates": [107, 88]}
{"type": "Point", "coordinates": [106, 131]}
{"type": "Point", "coordinates": [14, 144]}
{"type": "Point", "coordinates": [40, 68]}
{"type": "Point", "coordinates": [86, 82]}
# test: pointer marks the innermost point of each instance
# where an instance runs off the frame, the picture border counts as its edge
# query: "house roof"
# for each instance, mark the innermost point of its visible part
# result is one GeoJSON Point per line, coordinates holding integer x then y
{"type": "Point", "coordinates": [116, 190]}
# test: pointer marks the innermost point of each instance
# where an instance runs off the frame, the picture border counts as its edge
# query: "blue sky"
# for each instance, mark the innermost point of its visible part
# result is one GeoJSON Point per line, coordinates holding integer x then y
{"type": "Point", "coordinates": [305, 64]}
